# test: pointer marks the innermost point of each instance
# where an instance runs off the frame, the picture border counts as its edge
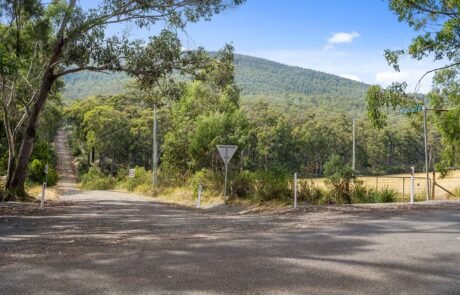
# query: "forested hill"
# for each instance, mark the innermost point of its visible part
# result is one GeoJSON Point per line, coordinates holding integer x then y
{"type": "Point", "coordinates": [256, 77]}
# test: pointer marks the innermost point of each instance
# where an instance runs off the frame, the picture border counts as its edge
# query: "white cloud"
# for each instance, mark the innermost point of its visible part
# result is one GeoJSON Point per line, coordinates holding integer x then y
{"type": "Point", "coordinates": [351, 77]}
{"type": "Point", "coordinates": [409, 75]}
{"type": "Point", "coordinates": [342, 37]}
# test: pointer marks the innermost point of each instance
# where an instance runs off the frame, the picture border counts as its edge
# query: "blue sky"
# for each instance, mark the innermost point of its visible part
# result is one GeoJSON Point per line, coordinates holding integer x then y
{"type": "Point", "coordinates": [345, 38]}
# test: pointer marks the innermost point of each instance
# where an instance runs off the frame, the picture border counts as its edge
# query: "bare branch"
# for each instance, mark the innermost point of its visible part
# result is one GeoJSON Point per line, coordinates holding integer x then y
{"type": "Point", "coordinates": [417, 86]}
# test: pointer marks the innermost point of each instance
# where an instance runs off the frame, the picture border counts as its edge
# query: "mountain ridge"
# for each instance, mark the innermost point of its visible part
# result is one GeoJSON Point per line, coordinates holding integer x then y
{"type": "Point", "coordinates": [258, 78]}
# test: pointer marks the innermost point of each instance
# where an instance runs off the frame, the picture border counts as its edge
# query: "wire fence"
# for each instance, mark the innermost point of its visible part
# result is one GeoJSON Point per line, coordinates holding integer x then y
{"type": "Point", "coordinates": [445, 188]}
{"type": "Point", "coordinates": [399, 184]}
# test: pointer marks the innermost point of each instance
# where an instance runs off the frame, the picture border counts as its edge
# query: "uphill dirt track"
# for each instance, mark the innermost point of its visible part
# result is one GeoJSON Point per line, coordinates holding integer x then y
{"type": "Point", "coordinates": [95, 242]}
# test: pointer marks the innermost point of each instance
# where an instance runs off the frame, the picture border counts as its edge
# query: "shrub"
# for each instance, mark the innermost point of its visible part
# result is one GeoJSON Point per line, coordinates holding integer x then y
{"type": "Point", "coordinates": [309, 192]}
{"type": "Point", "coordinates": [360, 194]}
{"type": "Point", "coordinates": [385, 195]}
{"type": "Point", "coordinates": [96, 180]}
{"type": "Point", "coordinates": [339, 176]}
{"type": "Point", "coordinates": [269, 185]}
{"type": "Point", "coordinates": [141, 182]}
{"type": "Point", "coordinates": [37, 172]}
{"type": "Point", "coordinates": [242, 185]}
{"type": "Point", "coordinates": [264, 185]}
{"type": "Point", "coordinates": [212, 182]}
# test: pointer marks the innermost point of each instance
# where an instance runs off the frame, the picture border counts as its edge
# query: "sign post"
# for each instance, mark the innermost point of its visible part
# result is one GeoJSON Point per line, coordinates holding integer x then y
{"type": "Point", "coordinates": [412, 186]}
{"type": "Point", "coordinates": [198, 202]}
{"type": "Point", "coordinates": [226, 152]}
{"type": "Point", "coordinates": [46, 173]}
{"type": "Point", "coordinates": [295, 190]}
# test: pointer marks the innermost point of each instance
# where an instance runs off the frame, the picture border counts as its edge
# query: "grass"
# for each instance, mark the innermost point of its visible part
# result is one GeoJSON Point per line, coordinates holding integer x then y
{"type": "Point", "coordinates": [450, 182]}
{"type": "Point", "coordinates": [186, 196]}
{"type": "Point", "coordinates": [35, 191]}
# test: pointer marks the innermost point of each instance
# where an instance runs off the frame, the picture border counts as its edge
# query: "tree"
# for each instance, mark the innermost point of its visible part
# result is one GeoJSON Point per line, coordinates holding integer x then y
{"type": "Point", "coordinates": [438, 22]}
{"type": "Point", "coordinates": [43, 42]}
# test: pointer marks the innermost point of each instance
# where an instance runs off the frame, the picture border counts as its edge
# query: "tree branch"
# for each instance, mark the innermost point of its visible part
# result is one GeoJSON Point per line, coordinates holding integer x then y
{"type": "Point", "coordinates": [417, 86]}
{"type": "Point", "coordinates": [87, 68]}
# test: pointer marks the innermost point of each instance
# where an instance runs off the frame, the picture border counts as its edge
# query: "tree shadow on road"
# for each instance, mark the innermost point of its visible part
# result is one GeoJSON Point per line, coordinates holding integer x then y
{"type": "Point", "coordinates": [137, 247]}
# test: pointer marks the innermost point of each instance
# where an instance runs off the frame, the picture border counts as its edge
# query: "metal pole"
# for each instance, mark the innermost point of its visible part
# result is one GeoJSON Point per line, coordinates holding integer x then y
{"type": "Point", "coordinates": [353, 165]}
{"type": "Point", "coordinates": [412, 188]}
{"type": "Point", "coordinates": [404, 187]}
{"type": "Point", "coordinates": [42, 201]}
{"type": "Point", "coordinates": [155, 148]}
{"type": "Point", "coordinates": [295, 190]}
{"type": "Point", "coordinates": [46, 174]}
{"type": "Point", "coordinates": [426, 150]}
{"type": "Point", "coordinates": [225, 185]}
{"type": "Point", "coordinates": [200, 188]}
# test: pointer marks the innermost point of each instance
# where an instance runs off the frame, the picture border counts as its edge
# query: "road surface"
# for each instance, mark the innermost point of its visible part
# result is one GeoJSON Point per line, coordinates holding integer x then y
{"type": "Point", "coordinates": [115, 243]}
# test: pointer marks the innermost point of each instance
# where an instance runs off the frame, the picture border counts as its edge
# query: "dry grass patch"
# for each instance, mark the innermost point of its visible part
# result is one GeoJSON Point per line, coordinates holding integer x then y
{"type": "Point", "coordinates": [35, 191]}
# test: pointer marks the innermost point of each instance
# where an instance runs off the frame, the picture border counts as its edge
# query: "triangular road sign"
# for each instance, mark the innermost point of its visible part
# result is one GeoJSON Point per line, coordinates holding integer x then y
{"type": "Point", "coordinates": [226, 152]}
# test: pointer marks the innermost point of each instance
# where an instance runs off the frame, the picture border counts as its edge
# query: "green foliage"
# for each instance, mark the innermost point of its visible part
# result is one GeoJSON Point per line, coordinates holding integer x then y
{"type": "Point", "coordinates": [438, 23]}
{"type": "Point", "coordinates": [339, 175]}
{"type": "Point", "coordinates": [96, 180]}
{"type": "Point", "coordinates": [256, 78]}
{"type": "Point", "coordinates": [310, 193]}
{"type": "Point", "coordinates": [37, 172]}
{"type": "Point", "coordinates": [264, 185]}
{"type": "Point", "coordinates": [42, 154]}
{"type": "Point", "coordinates": [362, 195]}
{"type": "Point", "coordinates": [141, 182]}
{"type": "Point", "coordinates": [211, 181]}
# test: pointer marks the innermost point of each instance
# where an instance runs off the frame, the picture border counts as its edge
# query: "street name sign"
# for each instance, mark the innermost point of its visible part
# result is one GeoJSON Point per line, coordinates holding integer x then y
{"type": "Point", "coordinates": [415, 109]}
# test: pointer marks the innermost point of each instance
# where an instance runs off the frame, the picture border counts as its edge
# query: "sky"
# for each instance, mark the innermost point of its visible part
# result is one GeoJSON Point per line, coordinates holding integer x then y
{"type": "Point", "coordinates": [345, 38]}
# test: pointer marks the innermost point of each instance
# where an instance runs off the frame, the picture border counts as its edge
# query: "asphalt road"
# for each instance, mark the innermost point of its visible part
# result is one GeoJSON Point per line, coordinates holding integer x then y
{"type": "Point", "coordinates": [113, 243]}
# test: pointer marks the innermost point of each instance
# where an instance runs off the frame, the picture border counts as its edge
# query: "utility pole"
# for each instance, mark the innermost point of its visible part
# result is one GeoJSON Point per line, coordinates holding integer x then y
{"type": "Point", "coordinates": [425, 131]}
{"type": "Point", "coordinates": [353, 164]}
{"type": "Point", "coordinates": [155, 148]}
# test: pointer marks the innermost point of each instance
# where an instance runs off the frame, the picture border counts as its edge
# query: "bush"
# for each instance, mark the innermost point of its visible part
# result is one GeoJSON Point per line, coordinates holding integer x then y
{"type": "Point", "coordinates": [242, 185]}
{"type": "Point", "coordinates": [385, 195]}
{"type": "Point", "coordinates": [96, 180]}
{"type": "Point", "coordinates": [37, 172]}
{"type": "Point", "coordinates": [360, 194]}
{"type": "Point", "coordinates": [141, 182]}
{"type": "Point", "coordinates": [339, 176]}
{"type": "Point", "coordinates": [309, 192]}
{"type": "Point", "coordinates": [212, 182]}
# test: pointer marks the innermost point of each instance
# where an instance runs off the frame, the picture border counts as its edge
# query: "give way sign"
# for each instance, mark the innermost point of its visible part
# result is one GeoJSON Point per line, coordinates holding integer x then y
{"type": "Point", "coordinates": [226, 152]}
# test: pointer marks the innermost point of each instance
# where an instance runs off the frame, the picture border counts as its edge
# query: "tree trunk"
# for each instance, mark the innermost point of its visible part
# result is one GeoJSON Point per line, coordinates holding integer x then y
{"type": "Point", "coordinates": [16, 185]}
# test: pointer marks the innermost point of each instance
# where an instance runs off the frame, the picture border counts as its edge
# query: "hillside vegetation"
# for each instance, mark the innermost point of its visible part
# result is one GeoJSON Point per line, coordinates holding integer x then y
{"type": "Point", "coordinates": [257, 78]}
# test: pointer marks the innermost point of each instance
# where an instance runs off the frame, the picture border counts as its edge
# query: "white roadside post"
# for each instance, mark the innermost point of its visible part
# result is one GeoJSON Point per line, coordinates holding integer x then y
{"type": "Point", "coordinates": [46, 173]}
{"type": "Point", "coordinates": [295, 190]}
{"type": "Point", "coordinates": [200, 188]}
{"type": "Point", "coordinates": [42, 200]}
{"type": "Point", "coordinates": [226, 152]}
{"type": "Point", "coordinates": [412, 185]}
